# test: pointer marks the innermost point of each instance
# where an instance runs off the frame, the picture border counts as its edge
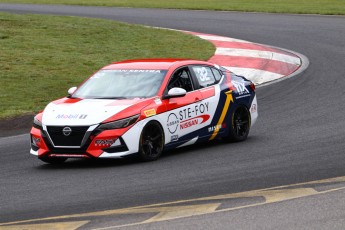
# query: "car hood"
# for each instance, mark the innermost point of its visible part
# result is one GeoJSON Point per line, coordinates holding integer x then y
{"type": "Point", "coordinates": [83, 112]}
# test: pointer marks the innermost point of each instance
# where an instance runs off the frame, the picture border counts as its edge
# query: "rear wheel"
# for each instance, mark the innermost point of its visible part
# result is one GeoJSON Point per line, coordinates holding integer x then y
{"type": "Point", "coordinates": [151, 142]}
{"type": "Point", "coordinates": [53, 160]}
{"type": "Point", "coordinates": [239, 124]}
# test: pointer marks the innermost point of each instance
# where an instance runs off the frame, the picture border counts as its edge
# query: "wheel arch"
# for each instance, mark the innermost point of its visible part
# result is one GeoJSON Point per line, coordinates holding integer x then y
{"type": "Point", "coordinates": [155, 121]}
{"type": "Point", "coordinates": [230, 135]}
{"type": "Point", "coordinates": [149, 148]}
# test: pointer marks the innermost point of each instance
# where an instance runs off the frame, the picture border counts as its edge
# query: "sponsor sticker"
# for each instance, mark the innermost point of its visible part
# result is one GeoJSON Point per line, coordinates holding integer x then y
{"type": "Point", "coordinates": [82, 116]}
{"type": "Point", "coordinates": [172, 123]}
{"type": "Point", "coordinates": [246, 95]}
{"type": "Point", "coordinates": [174, 138]}
{"type": "Point", "coordinates": [194, 121]}
{"type": "Point", "coordinates": [71, 116]}
{"type": "Point", "coordinates": [240, 87]}
{"type": "Point", "coordinates": [104, 142]}
{"type": "Point", "coordinates": [150, 112]}
{"type": "Point", "coordinates": [216, 127]}
{"type": "Point", "coordinates": [189, 123]}
{"type": "Point", "coordinates": [253, 108]}
{"type": "Point", "coordinates": [157, 101]}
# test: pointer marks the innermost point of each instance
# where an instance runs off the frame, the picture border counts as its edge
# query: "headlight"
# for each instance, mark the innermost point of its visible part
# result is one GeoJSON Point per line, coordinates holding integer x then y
{"type": "Point", "coordinates": [37, 124]}
{"type": "Point", "coordinates": [123, 123]}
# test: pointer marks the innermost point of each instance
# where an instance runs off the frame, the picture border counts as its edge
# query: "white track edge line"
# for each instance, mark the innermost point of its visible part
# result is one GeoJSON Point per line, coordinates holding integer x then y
{"type": "Point", "coordinates": [270, 55]}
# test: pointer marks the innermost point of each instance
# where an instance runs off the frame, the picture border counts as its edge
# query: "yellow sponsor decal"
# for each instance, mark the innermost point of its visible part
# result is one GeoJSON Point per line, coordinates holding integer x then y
{"type": "Point", "coordinates": [150, 112]}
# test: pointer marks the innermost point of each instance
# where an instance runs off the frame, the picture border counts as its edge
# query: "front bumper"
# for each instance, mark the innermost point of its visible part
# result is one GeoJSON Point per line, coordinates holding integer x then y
{"type": "Point", "coordinates": [95, 144]}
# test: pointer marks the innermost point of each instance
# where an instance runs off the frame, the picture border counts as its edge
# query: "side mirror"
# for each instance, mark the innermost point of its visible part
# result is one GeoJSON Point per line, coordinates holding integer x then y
{"type": "Point", "coordinates": [72, 90]}
{"type": "Point", "coordinates": [175, 92]}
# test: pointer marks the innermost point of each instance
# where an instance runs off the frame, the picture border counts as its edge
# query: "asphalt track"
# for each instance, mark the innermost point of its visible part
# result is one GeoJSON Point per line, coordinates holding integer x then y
{"type": "Point", "coordinates": [299, 136]}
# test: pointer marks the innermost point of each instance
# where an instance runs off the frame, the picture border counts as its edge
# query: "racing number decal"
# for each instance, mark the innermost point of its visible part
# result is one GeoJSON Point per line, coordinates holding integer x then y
{"type": "Point", "coordinates": [204, 76]}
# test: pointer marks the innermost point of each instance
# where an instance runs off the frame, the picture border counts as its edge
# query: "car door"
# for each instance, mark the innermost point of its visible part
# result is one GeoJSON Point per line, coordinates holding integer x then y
{"type": "Point", "coordinates": [193, 117]}
{"type": "Point", "coordinates": [182, 112]}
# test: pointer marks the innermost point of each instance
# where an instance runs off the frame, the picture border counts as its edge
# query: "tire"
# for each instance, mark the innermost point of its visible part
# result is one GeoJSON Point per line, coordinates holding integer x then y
{"type": "Point", "coordinates": [239, 124]}
{"type": "Point", "coordinates": [53, 160]}
{"type": "Point", "coordinates": [151, 142]}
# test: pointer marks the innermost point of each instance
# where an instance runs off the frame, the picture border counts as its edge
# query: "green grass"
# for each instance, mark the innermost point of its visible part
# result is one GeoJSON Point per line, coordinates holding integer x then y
{"type": "Point", "coordinates": [42, 56]}
{"type": "Point", "coordinates": [336, 7]}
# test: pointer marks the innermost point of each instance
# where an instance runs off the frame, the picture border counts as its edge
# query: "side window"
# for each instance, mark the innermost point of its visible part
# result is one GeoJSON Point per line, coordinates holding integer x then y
{"type": "Point", "coordinates": [216, 74]}
{"type": "Point", "coordinates": [204, 75]}
{"type": "Point", "coordinates": [181, 79]}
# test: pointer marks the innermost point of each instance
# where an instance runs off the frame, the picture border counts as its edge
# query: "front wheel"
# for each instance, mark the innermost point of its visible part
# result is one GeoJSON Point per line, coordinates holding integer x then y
{"type": "Point", "coordinates": [151, 142]}
{"type": "Point", "coordinates": [239, 124]}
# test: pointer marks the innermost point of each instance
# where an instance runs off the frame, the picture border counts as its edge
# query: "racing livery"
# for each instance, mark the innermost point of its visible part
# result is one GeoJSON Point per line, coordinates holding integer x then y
{"type": "Point", "coordinates": [143, 107]}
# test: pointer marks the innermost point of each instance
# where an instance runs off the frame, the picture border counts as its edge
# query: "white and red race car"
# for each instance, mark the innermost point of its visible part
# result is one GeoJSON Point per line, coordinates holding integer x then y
{"type": "Point", "coordinates": [143, 107]}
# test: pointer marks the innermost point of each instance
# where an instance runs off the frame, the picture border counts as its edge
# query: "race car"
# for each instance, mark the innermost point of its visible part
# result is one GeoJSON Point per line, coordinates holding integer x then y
{"type": "Point", "coordinates": [143, 107]}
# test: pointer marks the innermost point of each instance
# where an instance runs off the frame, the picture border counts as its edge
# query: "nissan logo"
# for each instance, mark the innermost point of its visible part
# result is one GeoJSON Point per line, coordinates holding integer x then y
{"type": "Point", "coordinates": [67, 131]}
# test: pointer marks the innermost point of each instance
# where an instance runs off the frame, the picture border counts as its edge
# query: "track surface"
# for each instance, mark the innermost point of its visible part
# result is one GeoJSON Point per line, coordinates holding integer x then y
{"type": "Point", "coordinates": [299, 136]}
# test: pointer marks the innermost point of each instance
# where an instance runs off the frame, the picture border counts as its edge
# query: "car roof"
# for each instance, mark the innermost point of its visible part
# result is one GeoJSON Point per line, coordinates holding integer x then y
{"type": "Point", "coordinates": [162, 64]}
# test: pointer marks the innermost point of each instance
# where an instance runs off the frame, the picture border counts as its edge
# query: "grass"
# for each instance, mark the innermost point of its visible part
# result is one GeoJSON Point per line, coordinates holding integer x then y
{"type": "Point", "coordinates": [42, 56]}
{"type": "Point", "coordinates": [332, 7]}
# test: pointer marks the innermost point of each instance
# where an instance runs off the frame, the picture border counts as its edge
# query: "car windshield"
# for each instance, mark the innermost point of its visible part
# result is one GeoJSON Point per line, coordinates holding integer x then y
{"type": "Point", "coordinates": [121, 84]}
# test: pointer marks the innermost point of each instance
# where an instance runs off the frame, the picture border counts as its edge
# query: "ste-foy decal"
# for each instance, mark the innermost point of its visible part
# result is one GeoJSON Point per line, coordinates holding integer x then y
{"type": "Point", "coordinates": [193, 111]}
{"type": "Point", "coordinates": [188, 117]}
{"type": "Point", "coordinates": [71, 116]}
